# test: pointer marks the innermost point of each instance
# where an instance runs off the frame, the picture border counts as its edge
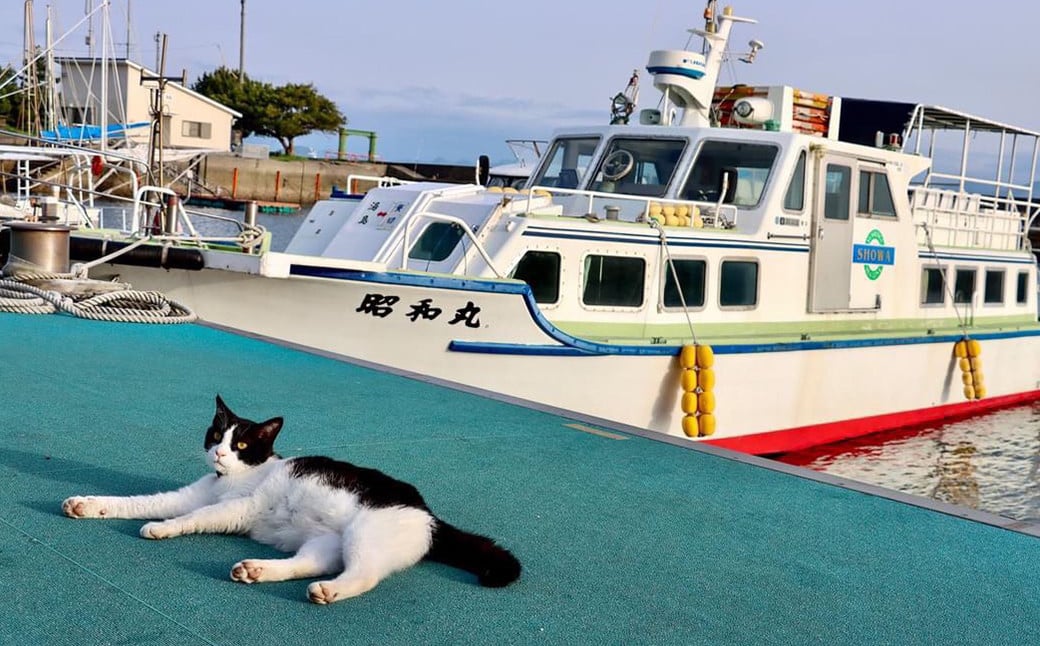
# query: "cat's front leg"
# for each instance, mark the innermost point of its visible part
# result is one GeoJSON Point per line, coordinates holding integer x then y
{"type": "Point", "coordinates": [85, 507]}
{"type": "Point", "coordinates": [228, 517]}
{"type": "Point", "coordinates": [160, 505]}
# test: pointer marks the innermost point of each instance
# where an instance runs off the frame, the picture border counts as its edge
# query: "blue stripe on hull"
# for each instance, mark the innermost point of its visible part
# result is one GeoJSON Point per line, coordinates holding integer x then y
{"type": "Point", "coordinates": [568, 345]}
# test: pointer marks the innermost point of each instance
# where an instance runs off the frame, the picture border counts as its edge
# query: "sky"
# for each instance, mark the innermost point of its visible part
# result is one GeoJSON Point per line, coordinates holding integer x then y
{"type": "Point", "coordinates": [447, 81]}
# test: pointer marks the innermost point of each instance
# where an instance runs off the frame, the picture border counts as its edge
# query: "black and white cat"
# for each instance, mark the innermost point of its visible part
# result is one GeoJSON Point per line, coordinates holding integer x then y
{"type": "Point", "coordinates": [336, 517]}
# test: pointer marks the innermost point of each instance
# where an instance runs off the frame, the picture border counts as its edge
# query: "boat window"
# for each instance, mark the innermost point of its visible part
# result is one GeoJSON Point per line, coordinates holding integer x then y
{"type": "Point", "coordinates": [1023, 284]}
{"type": "Point", "coordinates": [837, 190]}
{"type": "Point", "coordinates": [691, 279]}
{"type": "Point", "coordinates": [753, 163]}
{"type": "Point", "coordinates": [540, 270]}
{"type": "Point", "coordinates": [933, 290]}
{"type": "Point", "coordinates": [614, 280]}
{"type": "Point", "coordinates": [506, 181]}
{"type": "Point", "coordinates": [964, 286]}
{"type": "Point", "coordinates": [566, 162]}
{"type": "Point", "coordinates": [437, 242]}
{"type": "Point", "coordinates": [993, 288]}
{"type": "Point", "coordinates": [794, 199]}
{"type": "Point", "coordinates": [638, 166]}
{"type": "Point", "coordinates": [875, 196]}
{"type": "Point", "coordinates": [738, 283]}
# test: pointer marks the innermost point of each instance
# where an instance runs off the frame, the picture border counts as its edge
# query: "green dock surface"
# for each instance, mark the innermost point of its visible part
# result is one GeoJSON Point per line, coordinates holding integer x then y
{"type": "Point", "coordinates": [624, 540]}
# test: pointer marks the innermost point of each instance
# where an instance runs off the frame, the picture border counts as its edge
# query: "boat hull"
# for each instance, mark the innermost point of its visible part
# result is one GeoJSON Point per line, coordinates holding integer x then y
{"type": "Point", "coordinates": [489, 335]}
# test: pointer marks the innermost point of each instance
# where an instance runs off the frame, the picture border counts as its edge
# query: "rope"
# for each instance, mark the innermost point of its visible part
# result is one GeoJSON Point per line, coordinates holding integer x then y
{"type": "Point", "coordinates": [675, 275]}
{"type": "Point", "coordinates": [942, 275]}
{"type": "Point", "coordinates": [122, 304]}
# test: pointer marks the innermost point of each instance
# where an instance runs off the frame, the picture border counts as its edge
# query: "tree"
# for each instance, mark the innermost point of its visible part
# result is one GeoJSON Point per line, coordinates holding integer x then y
{"type": "Point", "coordinates": [241, 95]}
{"type": "Point", "coordinates": [298, 110]}
{"type": "Point", "coordinates": [10, 95]}
{"type": "Point", "coordinates": [284, 112]}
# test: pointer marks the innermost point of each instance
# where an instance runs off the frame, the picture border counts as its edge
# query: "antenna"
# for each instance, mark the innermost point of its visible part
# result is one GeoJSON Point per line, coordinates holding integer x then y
{"type": "Point", "coordinates": [755, 46]}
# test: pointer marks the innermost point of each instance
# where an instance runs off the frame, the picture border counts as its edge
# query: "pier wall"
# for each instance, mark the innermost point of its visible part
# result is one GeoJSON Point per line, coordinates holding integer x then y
{"type": "Point", "coordinates": [306, 180]}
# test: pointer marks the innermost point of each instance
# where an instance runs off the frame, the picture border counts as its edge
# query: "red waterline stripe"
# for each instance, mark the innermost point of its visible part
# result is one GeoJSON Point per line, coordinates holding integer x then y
{"type": "Point", "coordinates": [803, 437]}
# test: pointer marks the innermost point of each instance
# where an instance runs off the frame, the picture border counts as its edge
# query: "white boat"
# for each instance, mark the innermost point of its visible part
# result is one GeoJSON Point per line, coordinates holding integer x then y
{"type": "Point", "coordinates": [809, 240]}
{"type": "Point", "coordinates": [526, 153]}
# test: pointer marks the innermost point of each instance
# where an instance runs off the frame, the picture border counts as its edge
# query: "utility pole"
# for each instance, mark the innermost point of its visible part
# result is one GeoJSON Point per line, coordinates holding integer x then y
{"type": "Point", "coordinates": [242, 45]}
{"type": "Point", "coordinates": [127, 29]}
{"type": "Point", "coordinates": [158, 110]}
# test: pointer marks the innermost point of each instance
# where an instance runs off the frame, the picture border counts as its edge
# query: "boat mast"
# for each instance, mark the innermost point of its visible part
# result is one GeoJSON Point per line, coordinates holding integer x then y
{"type": "Point", "coordinates": [687, 79]}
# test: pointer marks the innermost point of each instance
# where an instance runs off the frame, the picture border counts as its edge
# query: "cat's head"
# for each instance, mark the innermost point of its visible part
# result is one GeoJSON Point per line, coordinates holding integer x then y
{"type": "Point", "coordinates": [235, 444]}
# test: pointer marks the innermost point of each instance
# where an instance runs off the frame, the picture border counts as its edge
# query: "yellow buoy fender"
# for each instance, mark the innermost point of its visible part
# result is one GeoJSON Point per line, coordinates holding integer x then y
{"type": "Point", "coordinates": [976, 363]}
{"type": "Point", "coordinates": [705, 379]}
{"type": "Point", "coordinates": [688, 357]}
{"type": "Point", "coordinates": [690, 426]}
{"type": "Point", "coordinates": [689, 380]}
{"type": "Point", "coordinates": [705, 402]}
{"type": "Point", "coordinates": [705, 356]}
{"type": "Point", "coordinates": [707, 424]}
{"type": "Point", "coordinates": [965, 364]}
{"type": "Point", "coordinates": [966, 379]}
{"type": "Point", "coordinates": [969, 392]}
{"type": "Point", "coordinates": [980, 391]}
{"type": "Point", "coordinates": [690, 403]}
{"type": "Point", "coordinates": [960, 349]}
{"type": "Point", "coordinates": [974, 349]}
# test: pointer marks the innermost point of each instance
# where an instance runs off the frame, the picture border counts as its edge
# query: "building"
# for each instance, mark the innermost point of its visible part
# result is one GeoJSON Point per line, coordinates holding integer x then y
{"type": "Point", "coordinates": [190, 120]}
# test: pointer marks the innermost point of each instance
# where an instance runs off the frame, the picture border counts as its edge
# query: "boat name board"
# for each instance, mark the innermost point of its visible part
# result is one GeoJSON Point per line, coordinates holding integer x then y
{"type": "Point", "coordinates": [382, 306]}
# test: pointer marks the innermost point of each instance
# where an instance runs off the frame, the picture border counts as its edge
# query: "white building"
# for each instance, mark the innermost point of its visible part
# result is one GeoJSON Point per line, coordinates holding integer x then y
{"type": "Point", "coordinates": [190, 120]}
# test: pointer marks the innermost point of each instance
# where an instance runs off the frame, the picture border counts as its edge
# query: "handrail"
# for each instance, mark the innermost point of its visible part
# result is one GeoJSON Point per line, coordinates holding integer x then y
{"type": "Point", "coordinates": [440, 217]}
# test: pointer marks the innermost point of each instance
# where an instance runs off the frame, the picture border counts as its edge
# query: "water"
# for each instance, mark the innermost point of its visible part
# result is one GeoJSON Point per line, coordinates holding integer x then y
{"type": "Point", "coordinates": [989, 463]}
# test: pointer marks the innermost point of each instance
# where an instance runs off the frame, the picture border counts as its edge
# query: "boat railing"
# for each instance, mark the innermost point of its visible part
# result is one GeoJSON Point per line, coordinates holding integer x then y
{"type": "Point", "coordinates": [450, 219]}
{"type": "Point", "coordinates": [694, 214]}
{"type": "Point", "coordinates": [159, 214]}
{"type": "Point", "coordinates": [960, 219]}
{"type": "Point", "coordinates": [372, 181]}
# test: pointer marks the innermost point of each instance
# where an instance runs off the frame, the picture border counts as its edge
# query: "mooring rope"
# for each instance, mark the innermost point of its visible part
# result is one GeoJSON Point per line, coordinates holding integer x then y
{"type": "Point", "coordinates": [654, 224]}
{"type": "Point", "coordinates": [118, 303]}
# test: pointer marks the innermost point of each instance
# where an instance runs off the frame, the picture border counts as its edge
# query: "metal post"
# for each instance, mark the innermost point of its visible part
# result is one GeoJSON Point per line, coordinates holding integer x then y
{"type": "Point", "coordinates": [242, 44]}
{"type": "Point", "coordinates": [251, 210]}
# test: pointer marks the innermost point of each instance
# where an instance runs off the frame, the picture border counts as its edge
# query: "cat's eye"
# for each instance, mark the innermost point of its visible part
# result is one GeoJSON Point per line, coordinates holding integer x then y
{"type": "Point", "coordinates": [217, 435]}
{"type": "Point", "coordinates": [240, 446]}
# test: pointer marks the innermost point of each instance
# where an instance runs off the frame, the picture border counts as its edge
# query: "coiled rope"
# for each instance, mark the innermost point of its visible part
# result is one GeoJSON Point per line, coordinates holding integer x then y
{"type": "Point", "coordinates": [20, 292]}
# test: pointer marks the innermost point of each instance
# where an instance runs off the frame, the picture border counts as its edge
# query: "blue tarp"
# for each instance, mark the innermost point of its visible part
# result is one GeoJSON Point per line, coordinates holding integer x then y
{"type": "Point", "coordinates": [84, 132]}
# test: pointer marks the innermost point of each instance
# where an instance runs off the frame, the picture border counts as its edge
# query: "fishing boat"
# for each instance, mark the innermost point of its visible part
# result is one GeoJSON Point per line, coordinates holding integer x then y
{"type": "Point", "coordinates": [758, 268]}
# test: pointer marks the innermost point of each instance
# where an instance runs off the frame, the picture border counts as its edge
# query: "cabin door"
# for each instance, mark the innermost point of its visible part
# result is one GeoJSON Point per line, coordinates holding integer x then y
{"type": "Point", "coordinates": [831, 247]}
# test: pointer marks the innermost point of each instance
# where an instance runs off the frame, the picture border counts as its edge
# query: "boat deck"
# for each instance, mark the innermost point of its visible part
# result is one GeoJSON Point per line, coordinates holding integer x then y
{"type": "Point", "coordinates": [623, 539]}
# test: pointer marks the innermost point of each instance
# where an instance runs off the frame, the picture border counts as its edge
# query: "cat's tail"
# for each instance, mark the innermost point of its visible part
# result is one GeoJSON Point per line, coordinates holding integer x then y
{"type": "Point", "coordinates": [494, 566]}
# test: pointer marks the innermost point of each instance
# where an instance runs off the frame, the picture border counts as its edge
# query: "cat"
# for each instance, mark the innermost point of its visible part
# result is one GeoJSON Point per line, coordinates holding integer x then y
{"type": "Point", "coordinates": [336, 517]}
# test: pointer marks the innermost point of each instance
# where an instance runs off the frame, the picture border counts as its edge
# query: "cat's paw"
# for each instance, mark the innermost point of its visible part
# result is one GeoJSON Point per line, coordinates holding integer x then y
{"type": "Point", "coordinates": [158, 530]}
{"type": "Point", "coordinates": [83, 507]}
{"type": "Point", "coordinates": [322, 592]}
{"type": "Point", "coordinates": [248, 571]}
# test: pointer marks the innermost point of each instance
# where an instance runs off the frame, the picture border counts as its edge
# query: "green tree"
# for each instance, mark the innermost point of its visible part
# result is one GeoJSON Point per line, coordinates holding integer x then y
{"type": "Point", "coordinates": [247, 96]}
{"type": "Point", "coordinates": [10, 95]}
{"type": "Point", "coordinates": [299, 109]}
{"type": "Point", "coordinates": [283, 112]}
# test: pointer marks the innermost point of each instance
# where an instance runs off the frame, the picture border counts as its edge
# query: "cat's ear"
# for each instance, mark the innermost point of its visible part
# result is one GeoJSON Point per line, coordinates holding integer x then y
{"type": "Point", "coordinates": [222, 409]}
{"type": "Point", "coordinates": [268, 430]}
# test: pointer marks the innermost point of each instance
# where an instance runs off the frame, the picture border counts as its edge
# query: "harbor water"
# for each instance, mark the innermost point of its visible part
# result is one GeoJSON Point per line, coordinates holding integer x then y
{"type": "Point", "coordinates": [989, 463]}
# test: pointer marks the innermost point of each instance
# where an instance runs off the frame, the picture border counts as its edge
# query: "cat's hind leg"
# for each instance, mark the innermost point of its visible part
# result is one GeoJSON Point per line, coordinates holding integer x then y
{"type": "Point", "coordinates": [319, 555]}
{"type": "Point", "coordinates": [376, 543]}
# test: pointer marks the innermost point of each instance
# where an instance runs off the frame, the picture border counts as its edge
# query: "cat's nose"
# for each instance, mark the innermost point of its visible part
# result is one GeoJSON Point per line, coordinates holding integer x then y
{"type": "Point", "coordinates": [221, 453]}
